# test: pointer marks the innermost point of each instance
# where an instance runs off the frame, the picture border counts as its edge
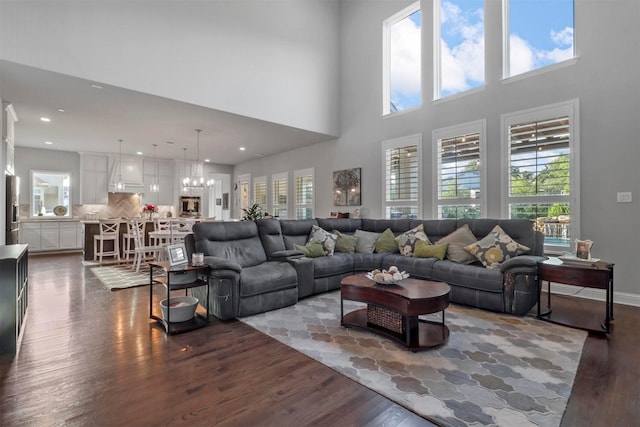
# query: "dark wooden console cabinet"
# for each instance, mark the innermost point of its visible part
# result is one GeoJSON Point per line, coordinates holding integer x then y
{"type": "Point", "coordinates": [14, 295]}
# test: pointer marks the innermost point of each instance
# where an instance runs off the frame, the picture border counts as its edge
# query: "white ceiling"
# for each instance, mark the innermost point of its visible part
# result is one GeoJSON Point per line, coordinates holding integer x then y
{"type": "Point", "coordinates": [94, 119]}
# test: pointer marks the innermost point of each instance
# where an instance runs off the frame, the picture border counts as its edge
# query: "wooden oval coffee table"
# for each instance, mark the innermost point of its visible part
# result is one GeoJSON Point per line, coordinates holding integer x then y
{"type": "Point", "coordinates": [392, 310]}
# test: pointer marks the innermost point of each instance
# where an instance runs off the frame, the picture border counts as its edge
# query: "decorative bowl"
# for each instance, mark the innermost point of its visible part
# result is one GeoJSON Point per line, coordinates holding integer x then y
{"type": "Point", "coordinates": [371, 276]}
{"type": "Point", "coordinates": [182, 308]}
{"type": "Point", "coordinates": [60, 210]}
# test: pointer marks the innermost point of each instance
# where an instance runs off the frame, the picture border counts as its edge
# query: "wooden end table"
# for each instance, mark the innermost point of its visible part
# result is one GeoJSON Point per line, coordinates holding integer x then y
{"type": "Point", "coordinates": [597, 275]}
{"type": "Point", "coordinates": [197, 321]}
{"type": "Point", "coordinates": [392, 310]}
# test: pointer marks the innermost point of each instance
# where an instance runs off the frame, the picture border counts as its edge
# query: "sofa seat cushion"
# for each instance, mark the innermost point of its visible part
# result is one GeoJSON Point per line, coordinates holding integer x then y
{"type": "Point", "coordinates": [416, 267]}
{"type": "Point", "coordinates": [473, 276]}
{"type": "Point", "coordinates": [339, 263]}
{"type": "Point", "coordinates": [267, 277]}
{"type": "Point", "coordinates": [367, 262]}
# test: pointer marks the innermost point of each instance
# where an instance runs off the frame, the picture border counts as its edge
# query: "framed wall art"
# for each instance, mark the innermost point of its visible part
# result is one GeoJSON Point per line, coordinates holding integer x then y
{"type": "Point", "coordinates": [346, 187]}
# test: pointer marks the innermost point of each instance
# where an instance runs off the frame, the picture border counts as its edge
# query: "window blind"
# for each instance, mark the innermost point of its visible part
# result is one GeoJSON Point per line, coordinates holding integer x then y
{"type": "Point", "coordinates": [260, 193]}
{"type": "Point", "coordinates": [402, 174]}
{"type": "Point", "coordinates": [459, 167]}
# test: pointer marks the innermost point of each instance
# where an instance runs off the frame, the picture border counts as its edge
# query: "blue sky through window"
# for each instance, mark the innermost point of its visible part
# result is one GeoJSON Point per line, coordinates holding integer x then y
{"type": "Point", "coordinates": [541, 33]}
{"type": "Point", "coordinates": [405, 69]}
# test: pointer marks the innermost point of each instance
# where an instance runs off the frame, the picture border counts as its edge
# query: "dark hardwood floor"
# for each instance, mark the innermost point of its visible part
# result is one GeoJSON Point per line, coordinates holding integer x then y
{"type": "Point", "coordinates": [90, 356]}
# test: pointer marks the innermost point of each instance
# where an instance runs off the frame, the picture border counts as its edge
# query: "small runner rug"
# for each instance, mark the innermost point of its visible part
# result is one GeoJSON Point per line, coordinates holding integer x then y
{"type": "Point", "coordinates": [495, 369]}
{"type": "Point", "coordinates": [117, 277]}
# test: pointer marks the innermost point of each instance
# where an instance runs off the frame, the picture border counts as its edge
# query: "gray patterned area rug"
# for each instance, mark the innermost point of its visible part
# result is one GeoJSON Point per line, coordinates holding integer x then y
{"type": "Point", "coordinates": [495, 369]}
{"type": "Point", "coordinates": [121, 276]}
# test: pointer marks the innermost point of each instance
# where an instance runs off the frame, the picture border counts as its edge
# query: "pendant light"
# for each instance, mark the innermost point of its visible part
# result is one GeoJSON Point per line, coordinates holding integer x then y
{"type": "Point", "coordinates": [120, 184]}
{"type": "Point", "coordinates": [154, 187]}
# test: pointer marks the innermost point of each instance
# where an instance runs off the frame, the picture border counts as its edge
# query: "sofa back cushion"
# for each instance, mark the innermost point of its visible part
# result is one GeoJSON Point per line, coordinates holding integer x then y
{"type": "Point", "coordinates": [238, 241]}
{"type": "Point", "coordinates": [296, 231]}
{"type": "Point", "coordinates": [436, 229]}
{"type": "Point", "coordinates": [380, 225]}
{"type": "Point", "coordinates": [343, 225]}
{"type": "Point", "coordinates": [520, 230]}
{"type": "Point", "coordinates": [270, 234]}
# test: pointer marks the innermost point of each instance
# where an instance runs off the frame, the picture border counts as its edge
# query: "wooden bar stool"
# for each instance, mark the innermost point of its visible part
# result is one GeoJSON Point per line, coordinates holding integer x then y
{"type": "Point", "coordinates": [109, 232]}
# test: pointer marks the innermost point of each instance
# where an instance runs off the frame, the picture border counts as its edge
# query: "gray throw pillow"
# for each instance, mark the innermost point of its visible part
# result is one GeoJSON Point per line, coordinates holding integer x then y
{"type": "Point", "coordinates": [366, 241]}
{"type": "Point", "coordinates": [457, 241]}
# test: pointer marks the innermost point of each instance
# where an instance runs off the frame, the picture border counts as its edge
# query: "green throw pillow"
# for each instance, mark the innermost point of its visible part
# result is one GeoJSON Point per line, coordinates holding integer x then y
{"type": "Point", "coordinates": [312, 250]}
{"type": "Point", "coordinates": [345, 243]}
{"type": "Point", "coordinates": [386, 242]}
{"type": "Point", "coordinates": [425, 250]}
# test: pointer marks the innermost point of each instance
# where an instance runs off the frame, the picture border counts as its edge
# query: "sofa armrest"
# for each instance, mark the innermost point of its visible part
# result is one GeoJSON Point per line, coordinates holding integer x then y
{"type": "Point", "coordinates": [286, 255]}
{"type": "Point", "coordinates": [217, 263]}
{"type": "Point", "coordinates": [521, 264]}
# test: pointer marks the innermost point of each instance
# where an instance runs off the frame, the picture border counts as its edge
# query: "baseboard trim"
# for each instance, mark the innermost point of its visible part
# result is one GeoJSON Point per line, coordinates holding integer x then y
{"type": "Point", "coordinates": [595, 294]}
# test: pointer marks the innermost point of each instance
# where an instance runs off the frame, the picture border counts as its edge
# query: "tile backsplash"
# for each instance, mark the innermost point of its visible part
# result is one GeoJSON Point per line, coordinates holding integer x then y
{"type": "Point", "coordinates": [121, 205]}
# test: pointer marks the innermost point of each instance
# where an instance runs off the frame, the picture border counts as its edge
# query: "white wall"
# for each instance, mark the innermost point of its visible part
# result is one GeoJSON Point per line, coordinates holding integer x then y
{"type": "Point", "coordinates": [271, 60]}
{"type": "Point", "coordinates": [604, 79]}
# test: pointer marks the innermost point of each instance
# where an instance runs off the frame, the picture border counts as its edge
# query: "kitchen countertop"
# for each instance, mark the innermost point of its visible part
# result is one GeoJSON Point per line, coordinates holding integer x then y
{"type": "Point", "coordinates": [48, 219]}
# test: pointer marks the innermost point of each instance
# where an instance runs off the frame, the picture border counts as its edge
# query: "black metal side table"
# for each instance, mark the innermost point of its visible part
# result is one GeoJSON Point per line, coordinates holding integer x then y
{"type": "Point", "coordinates": [198, 320]}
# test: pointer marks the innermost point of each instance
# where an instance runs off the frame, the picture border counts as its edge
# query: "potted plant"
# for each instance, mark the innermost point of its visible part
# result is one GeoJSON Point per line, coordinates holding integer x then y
{"type": "Point", "coordinates": [254, 212]}
{"type": "Point", "coordinates": [149, 209]}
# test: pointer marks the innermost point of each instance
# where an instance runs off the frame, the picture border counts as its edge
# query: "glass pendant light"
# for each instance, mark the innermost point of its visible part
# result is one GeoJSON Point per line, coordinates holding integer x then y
{"type": "Point", "coordinates": [120, 184]}
{"type": "Point", "coordinates": [154, 187]}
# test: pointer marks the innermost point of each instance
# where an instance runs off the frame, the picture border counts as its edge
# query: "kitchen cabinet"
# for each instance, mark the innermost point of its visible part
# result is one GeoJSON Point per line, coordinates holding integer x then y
{"type": "Point", "coordinates": [93, 179]}
{"type": "Point", "coordinates": [9, 118]}
{"type": "Point", "coordinates": [165, 180]}
{"type": "Point", "coordinates": [51, 235]}
{"type": "Point", "coordinates": [14, 294]}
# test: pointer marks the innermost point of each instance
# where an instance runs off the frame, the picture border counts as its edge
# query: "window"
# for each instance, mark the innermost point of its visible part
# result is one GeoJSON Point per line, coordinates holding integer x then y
{"type": "Point", "coordinates": [543, 175]}
{"type": "Point", "coordinates": [304, 193]}
{"type": "Point", "coordinates": [402, 163]}
{"type": "Point", "coordinates": [50, 193]}
{"type": "Point", "coordinates": [536, 35]}
{"type": "Point", "coordinates": [279, 204]}
{"type": "Point", "coordinates": [459, 156]}
{"type": "Point", "coordinates": [402, 58]}
{"type": "Point", "coordinates": [260, 191]}
{"type": "Point", "coordinates": [458, 46]}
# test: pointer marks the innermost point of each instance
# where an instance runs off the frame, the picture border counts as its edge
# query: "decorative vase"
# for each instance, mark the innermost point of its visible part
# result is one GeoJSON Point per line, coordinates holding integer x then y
{"type": "Point", "coordinates": [150, 213]}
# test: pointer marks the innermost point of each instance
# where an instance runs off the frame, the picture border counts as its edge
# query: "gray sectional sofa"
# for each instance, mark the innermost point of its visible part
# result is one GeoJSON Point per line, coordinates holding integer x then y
{"type": "Point", "coordinates": [256, 268]}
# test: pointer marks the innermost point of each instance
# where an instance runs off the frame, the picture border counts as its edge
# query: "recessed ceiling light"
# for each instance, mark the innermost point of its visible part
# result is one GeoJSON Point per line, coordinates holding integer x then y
{"type": "Point", "coordinates": [95, 86]}
{"type": "Point", "coordinates": [241, 148]}
{"type": "Point", "coordinates": [139, 153]}
{"type": "Point", "coordinates": [61, 110]}
{"type": "Point", "coordinates": [48, 142]}
{"type": "Point", "coordinates": [207, 160]}
{"type": "Point", "coordinates": [169, 142]}
{"type": "Point", "coordinates": [45, 119]}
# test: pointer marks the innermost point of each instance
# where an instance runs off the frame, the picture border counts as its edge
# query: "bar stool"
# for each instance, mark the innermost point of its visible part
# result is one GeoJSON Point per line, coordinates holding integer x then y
{"type": "Point", "coordinates": [142, 252]}
{"type": "Point", "coordinates": [128, 242]}
{"type": "Point", "coordinates": [109, 231]}
{"type": "Point", "coordinates": [162, 225]}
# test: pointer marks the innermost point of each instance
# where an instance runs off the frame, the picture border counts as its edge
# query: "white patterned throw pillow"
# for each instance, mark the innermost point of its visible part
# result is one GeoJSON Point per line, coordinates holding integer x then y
{"type": "Point", "coordinates": [407, 240]}
{"type": "Point", "coordinates": [327, 239]}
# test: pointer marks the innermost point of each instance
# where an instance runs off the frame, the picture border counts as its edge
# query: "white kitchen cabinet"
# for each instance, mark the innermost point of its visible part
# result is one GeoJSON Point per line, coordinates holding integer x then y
{"type": "Point", "coordinates": [9, 118]}
{"type": "Point", "coordinates": [51, 235]}
{"type": "Point", "coordinates": [30, 234]}
{"type": "Point", "coordinates": [93, 179]}
{"type": "Point", "coordinates": [165, 180]}
{"type": "Point", "coordinates": [69, 235]}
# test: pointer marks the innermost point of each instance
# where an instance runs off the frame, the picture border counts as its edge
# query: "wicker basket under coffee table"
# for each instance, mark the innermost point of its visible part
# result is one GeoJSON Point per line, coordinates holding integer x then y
{"type": "Point", "coordinates": [392, 310]}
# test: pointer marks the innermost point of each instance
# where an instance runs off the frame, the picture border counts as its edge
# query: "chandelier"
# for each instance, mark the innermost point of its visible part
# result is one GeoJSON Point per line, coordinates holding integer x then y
{"type": "Point", "coordinates": [155, 187]}
{"type": "Point", "coordinates": [196, 181]}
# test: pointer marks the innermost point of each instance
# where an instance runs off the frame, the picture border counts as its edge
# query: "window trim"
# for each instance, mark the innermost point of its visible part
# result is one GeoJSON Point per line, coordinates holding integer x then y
{"type": "Point", "coordinates": [386, 64]}
{"type": "Point", "coordinates": [404, 141]}
{"type": "Point", "coordinates": [296, 205]}
{"type": "Point", "coordinates": [244, 179]}
{"type": "Point", "coordinates": [506, 48]}
{"type": "Point", "coordinates": [478, 126]}
{"type": "Point", "coordinates": [571, 109]}
{"type": "Point", "coordinates": [274, 206]}
{"type": "Point", "coordinates": [32, 187]}
{"type": "Point", "coordinates": [437, 58]}
{"type": "Point", "coordinates": [261, 180]}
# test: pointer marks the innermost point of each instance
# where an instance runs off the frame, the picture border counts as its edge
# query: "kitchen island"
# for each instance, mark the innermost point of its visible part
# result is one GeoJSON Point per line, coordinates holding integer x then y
{"type": "Point", "coordinates": [92, 228]}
